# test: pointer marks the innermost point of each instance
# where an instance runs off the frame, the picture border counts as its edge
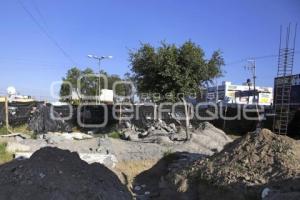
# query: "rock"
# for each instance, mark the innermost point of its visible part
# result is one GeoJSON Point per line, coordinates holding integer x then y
{"type": "Point", "coordinates": [22, 155]}
{"type": "Point", "coordinates": [80, 136]}
{"type": "Point", "coordinates": [105, 159]}
{"type": "Point", "coordinates": [133, 137]}
{"type": "Point", "coordinates": [143, 134]}
{"type": "Point", "coordinates": [173, 127]}
{"type": "Point", "coordinates": [49, 141]}
{"type": "Point", "coordinates": [127, 124]}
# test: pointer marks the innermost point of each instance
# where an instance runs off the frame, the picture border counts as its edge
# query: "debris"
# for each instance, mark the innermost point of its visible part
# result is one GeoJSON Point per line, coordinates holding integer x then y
{"type": "Point", "coordinates": [162, 133]}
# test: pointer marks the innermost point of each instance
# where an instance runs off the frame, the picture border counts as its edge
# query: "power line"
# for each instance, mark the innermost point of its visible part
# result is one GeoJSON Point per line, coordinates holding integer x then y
{"type": "Point", "coordinates": [256, 58]}
{"type": "Point", "coordinates": [46, 33]}
{"type": "Point", "coordinates": [36, 7]}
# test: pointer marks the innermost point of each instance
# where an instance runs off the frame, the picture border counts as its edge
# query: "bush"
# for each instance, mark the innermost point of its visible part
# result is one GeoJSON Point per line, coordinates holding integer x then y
{"type": "Point", "coordinates": [114, 134]}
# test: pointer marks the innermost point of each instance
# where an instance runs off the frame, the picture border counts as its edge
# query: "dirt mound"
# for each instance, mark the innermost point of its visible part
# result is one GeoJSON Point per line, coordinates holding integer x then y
{"type": "Point", "coordinates": [242, 170]}
{"type": "Point", "coordinates": [52, 173]}
{"type": "Point", "coordinates": [256, 158]}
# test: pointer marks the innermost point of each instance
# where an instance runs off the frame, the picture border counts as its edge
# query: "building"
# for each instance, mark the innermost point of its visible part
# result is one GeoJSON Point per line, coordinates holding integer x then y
{"type": "Point", "coordinates": [295, 88]}
{"type": "Point", "coordinates": [239, 94]}
{"type": "Point", "coordinates": [287, 104]}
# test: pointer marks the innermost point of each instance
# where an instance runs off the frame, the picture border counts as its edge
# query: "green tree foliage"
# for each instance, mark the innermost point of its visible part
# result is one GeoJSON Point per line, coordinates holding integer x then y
{"type": "Point", "coordinates": [89, 84]}
{"type": "Point", "coordinates": [170, 70]}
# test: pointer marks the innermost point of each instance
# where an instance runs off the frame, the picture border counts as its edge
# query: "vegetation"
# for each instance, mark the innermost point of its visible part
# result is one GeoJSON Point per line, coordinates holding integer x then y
{"type": "Point", "coordinates": [170, 70]}
{"type": "Point", "coordinates": [4, 155]}
{"type": "Point", "coordinates": [3, 130]}
{"type": "Point", "coordinates": [89, 84]}
{"type": "Point", "coordinates": [22, 128]}
{"type": "Point", "coordinates": [114, 134]}
{"type": "Point", "coordinates": [173, 72]}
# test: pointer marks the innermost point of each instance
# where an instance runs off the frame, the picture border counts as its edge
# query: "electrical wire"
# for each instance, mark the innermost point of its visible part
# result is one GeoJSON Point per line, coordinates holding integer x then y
{"type": "Point", "coordinates": [256, 58]}
{"type": "Point", "coordinates": [52, 39]}
{"type": "Point", "coordinates": [43, 20]}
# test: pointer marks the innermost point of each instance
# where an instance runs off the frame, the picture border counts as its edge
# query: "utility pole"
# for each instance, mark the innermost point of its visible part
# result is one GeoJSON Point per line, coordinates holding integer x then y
{"type": "Point", "coordinates": [217, 90]}
{"type": "Point", "coordinates": [252, 68]}
{"type": "Point", "coordinates": [99, 59]}
{"type": "Point", "coordinates": [6, 115]}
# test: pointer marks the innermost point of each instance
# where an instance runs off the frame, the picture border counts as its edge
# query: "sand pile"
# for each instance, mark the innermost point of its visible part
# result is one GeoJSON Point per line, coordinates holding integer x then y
{"type": "Point", "coordinates": [52, 173]}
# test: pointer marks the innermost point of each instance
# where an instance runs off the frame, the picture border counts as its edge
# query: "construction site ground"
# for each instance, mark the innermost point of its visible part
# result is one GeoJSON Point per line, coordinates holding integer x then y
{"type": "Point", "coordinates": [154, 166]}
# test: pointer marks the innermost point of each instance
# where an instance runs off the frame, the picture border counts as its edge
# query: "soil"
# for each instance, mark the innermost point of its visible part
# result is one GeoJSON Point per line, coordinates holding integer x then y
{"type": "Point", "coordinates": [256, 158]}
{"type": "Point", "coordinates": [242, 170]}
{"type": "Point", "coordinates": [52, 173]}
{"type": "Point", "coordinates": [259, 161]}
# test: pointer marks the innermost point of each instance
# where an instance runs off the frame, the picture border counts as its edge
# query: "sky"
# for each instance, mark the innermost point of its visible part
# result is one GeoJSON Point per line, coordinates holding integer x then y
{"type": "Point", "coordinates": [41, 39]}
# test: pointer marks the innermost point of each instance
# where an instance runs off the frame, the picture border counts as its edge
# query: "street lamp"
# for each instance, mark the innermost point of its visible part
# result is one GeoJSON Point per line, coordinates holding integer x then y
{"type": "Point", "coordinates": [99, 59]}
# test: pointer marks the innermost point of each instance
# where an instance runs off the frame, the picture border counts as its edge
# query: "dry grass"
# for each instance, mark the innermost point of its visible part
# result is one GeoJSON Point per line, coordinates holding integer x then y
{"type": "Point", "coordinates": [130, 169]}
{"type": "Point", "coordinates": [4, 156]}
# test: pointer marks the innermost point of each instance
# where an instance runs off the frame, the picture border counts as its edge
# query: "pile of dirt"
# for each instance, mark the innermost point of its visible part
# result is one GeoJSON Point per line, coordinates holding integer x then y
{"type": "Point", "coordinates": [52, 173]}
{"type": "Point", "coordinates": [256, 158]}
{"type": "Point", "coordinates": [242, 170]}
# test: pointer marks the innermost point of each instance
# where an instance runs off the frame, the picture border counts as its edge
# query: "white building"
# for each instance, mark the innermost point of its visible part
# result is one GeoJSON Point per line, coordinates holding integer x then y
{"type": "Point", "coordinates": [240, 94]}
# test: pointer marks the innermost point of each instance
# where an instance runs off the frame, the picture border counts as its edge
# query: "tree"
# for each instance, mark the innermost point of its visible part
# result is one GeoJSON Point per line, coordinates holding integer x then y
{"type": "Point", "coordinates": [170, 70]}
{"type": "Point", "coordinates": [174, 70]}
{"type": "Point", "coordinates": [89, 85]}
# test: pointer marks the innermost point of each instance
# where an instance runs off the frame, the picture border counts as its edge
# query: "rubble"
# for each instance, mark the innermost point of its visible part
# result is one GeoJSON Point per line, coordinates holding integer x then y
{"type": "Point", "coordinates": [205, 135]}
{"type": "Point", "coordinates": [52, 173]}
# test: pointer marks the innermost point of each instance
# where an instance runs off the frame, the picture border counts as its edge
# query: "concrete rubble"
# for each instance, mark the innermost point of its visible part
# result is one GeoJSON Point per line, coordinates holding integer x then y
{"type": "Point", "coordinates": [206, 136]}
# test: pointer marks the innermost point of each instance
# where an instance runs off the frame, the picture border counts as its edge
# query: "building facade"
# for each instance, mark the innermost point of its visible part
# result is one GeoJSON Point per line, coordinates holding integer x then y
{"type": "Point", "coordinates": [239, 94]}
{"type": "Point", "coordinates": [295, 88]}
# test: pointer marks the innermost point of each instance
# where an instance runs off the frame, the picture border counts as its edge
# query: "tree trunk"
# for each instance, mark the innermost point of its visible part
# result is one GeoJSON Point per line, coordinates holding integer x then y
{"type": "Point", "coordinates": [187, 120]}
